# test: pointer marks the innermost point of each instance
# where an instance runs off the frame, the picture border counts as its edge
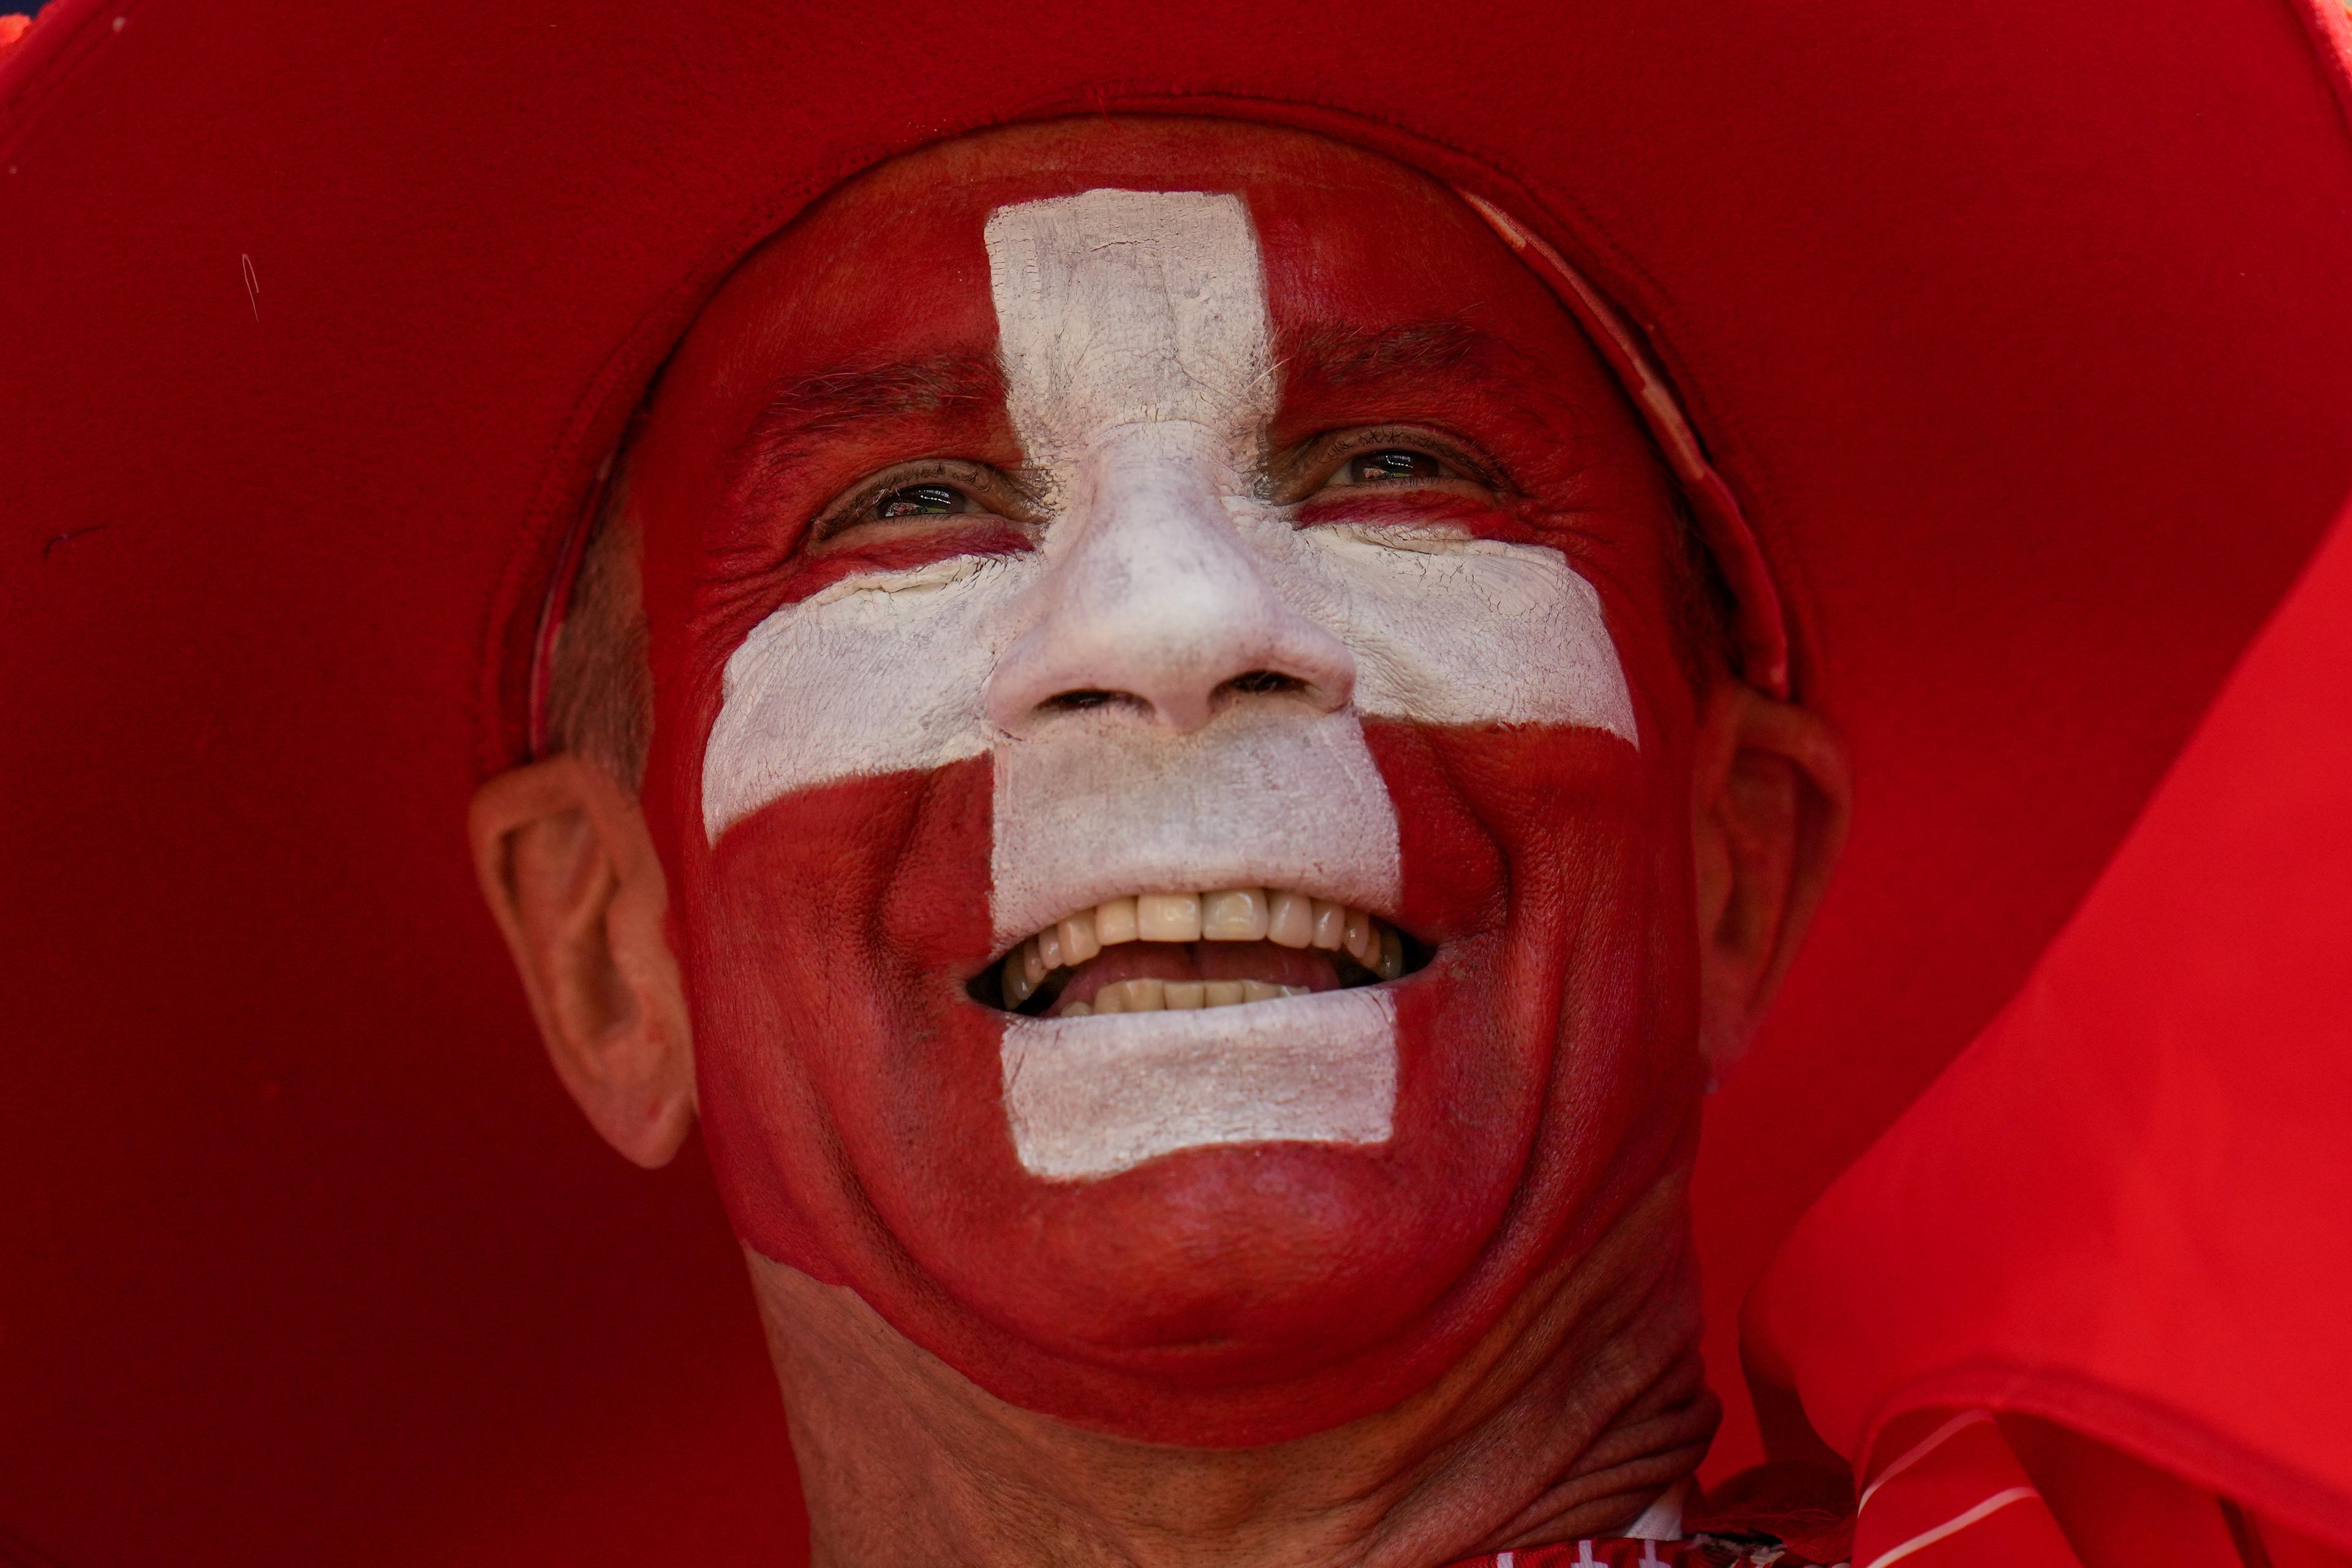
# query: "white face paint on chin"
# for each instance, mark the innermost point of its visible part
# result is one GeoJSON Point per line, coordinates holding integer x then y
{"type": "Point", "coordinates": [1136, 342]}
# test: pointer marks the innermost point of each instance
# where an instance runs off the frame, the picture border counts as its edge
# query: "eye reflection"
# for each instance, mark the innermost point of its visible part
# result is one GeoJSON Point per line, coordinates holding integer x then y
{"type": "Point", "coordinates": [922, 501]}
{"type": "Point", "coordinates": [1396, 456]}
{"type": "Point", "coordinates": [1391, 464]}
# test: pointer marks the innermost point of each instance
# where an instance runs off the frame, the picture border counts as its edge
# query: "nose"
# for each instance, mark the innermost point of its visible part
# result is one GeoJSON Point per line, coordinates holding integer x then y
{"type": "Point", "coordinates": [1156, 605]}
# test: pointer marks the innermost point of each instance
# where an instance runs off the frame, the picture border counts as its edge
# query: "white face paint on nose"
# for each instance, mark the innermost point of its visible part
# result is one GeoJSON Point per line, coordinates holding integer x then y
{"type": "Point", "coordinates": [1154, 603]}
{"type": "Point", "coordinates": [1133, 330]}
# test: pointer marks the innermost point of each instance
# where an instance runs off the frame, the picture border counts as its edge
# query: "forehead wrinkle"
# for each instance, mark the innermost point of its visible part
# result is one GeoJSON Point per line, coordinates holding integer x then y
{"type": "Point", "coordinates": [1344, 356]}
{"type": "Point", "coordinates": [1116, 306]}
{"type": "Point", "coordinates": [1431, 365]}
{"type": "Point", "coordinates": [845, 396]}
{"type": "Point", "coordinates": [800, 411]}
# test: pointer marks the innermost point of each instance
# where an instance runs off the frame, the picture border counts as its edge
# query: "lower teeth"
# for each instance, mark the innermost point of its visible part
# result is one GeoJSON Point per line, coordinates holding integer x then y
{"type": "Point", "coordinates": [1362, 949]}
{"type": "Point", "coordinates": [1146, 995]}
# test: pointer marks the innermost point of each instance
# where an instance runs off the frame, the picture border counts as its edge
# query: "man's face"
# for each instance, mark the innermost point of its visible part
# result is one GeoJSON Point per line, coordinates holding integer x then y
{"type": "Point", "coordinates": [1171, 750]}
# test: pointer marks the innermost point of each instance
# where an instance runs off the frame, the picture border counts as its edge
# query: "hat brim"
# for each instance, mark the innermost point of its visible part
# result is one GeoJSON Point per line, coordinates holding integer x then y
{"type": "Point", "coordinates": [2019, 333]}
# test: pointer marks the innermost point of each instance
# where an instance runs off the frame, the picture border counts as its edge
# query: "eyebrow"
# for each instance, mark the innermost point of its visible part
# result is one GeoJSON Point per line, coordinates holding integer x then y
{"type": "Point", "coordinates": [849, 394]}
{"type": "Point", "coordinates": [1316, 358]}
{"type": "Point", "coordinates": [1332, 356]}
{"type": "Point", "coordinates": [800, 409]}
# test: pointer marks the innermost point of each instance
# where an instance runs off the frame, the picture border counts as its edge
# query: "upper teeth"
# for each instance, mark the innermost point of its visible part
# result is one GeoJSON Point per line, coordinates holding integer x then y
{"type": "Point", "coordinates": [1225, 914]}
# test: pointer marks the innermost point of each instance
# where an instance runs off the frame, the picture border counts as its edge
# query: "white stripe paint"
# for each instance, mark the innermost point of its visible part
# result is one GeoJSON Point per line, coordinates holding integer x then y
{"type": "Point", "coordinates": [1090, 1096]}
{"type": "Point", "coordinates": [1258, 799]}
{"type": "Point", "coordinates": [1953, 1525]}
{"type": "Point", "coordinates": [1448, 630]}
{"type": "Point", "coordinates": [1119, 307]}
{"type": "Point", "coordinates": [872, 675]}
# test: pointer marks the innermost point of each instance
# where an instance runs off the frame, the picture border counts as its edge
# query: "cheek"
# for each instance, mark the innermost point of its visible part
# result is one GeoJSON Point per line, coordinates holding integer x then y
{"type": "Point", "coordinates": [1551, 864]}
{"type": "Point", "coordinates": [1566, 1019]}
{"type": "Point", "coordinates": [837, 1054]}
{"type": "Point", "coordinates": [831, 835]}
{"type": "Point", "coordinates": [886, 674]}
{"type": "Point", "coordinates": [1562, 851]}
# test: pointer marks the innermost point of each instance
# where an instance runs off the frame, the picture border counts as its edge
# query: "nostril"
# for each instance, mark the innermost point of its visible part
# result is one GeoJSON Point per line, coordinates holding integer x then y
{"type": "Point", "coordinates": [1177, 701]}
{"type": "Point", "coordinates": [1255, 682]}
{"type": "Point", "coordinates": [1078, 701]}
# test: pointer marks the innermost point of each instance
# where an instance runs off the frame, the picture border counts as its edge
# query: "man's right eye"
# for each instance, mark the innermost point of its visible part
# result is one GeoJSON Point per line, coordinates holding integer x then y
{"type": "Point", "coordinates": [914, 496]}
{"type": "Point", "coordinates": [922, 500]}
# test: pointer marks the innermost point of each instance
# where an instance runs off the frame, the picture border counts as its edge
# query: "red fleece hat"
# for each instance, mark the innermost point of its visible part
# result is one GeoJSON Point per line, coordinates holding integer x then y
{"type": "Point", "coordinates": [2018, 333]}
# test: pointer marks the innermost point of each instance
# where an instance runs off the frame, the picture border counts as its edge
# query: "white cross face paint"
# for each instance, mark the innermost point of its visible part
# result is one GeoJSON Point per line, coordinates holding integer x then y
{"type": "Point", "coordinates": [1136, 343]}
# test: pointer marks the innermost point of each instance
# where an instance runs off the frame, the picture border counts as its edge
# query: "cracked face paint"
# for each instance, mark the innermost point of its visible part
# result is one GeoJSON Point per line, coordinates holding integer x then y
{"type": "Point", "coordinates": [1028, 532]}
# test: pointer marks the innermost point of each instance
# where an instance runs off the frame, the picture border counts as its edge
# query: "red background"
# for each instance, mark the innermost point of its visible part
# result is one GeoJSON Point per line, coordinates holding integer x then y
{"type": "Point", "coordinates": [2020, 328]}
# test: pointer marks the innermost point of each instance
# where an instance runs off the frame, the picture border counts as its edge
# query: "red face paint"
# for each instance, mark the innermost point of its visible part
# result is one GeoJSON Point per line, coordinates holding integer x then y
{"type": "Point", "coordinates": [873, 1123]}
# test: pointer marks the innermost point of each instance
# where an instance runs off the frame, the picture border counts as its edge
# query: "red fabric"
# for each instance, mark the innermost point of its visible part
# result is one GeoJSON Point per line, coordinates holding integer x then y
{"type": "Point", "coordinates": [1967, 1489]}
{"type": "Point", "coordinates": [2031, 382]}
{"type": "Point", "coordinates": [2121, 1210]}
{"type": "Point", "coordinates": [1619, 1552]}
{"type": "Point", "coordinates": [1955, 1497]}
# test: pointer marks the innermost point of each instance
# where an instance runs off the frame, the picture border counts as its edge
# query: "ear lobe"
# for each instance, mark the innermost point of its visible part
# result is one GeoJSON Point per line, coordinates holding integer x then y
{"type": "Point", "coordinates": [1772, 799]}
{"type": "Point", "coordinates": [572, 877]}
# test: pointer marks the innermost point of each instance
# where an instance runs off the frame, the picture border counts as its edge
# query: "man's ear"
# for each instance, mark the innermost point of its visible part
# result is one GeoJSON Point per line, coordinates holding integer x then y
{"type": "Point", "coordinates": [1772, 795]}
{"type": "Point", "coordinates": [572, 877]}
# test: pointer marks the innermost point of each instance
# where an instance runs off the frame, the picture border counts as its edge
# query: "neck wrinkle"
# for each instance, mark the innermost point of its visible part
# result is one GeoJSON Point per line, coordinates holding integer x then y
{"type": "Point", "coordinates": [1576, 1412]}
{"type": "Point", "coordinates": [1604, 1401]}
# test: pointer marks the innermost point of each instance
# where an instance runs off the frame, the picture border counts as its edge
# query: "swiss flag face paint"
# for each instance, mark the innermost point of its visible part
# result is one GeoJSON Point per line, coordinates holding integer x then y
{"type": "Point", "coordinates": [1081, 515]}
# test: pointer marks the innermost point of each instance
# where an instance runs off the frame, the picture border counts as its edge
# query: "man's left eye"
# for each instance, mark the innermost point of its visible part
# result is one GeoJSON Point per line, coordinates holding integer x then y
{"type": "Point", "coordinates": [922, 501]}
{"type": "Point", "coordinates": [1389, 465]}
{"type": "Point", "coordinates": [1344, 468]}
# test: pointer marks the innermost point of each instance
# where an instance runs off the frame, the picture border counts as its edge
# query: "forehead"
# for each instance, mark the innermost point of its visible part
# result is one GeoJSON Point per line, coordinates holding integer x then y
{"type": "Point", "coordinates": [895, 267]}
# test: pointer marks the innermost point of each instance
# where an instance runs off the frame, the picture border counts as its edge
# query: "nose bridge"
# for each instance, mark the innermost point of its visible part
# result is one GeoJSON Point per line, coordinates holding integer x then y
{"type": "Point", "coordinates": [1154, 600]}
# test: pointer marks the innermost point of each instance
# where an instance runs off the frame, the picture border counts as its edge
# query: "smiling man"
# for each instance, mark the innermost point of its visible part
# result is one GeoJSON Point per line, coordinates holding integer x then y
{"type": "Point", "coordinates": [1149, 706]}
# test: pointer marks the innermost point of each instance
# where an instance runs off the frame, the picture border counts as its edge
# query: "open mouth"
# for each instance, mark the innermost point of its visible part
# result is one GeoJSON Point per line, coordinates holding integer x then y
{"type": "Point", "coordinates": [1168, 951]}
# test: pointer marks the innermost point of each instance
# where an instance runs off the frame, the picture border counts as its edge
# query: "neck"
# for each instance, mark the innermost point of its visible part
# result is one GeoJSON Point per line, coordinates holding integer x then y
{"type": "Point", "coordinates": [1575, 1414]}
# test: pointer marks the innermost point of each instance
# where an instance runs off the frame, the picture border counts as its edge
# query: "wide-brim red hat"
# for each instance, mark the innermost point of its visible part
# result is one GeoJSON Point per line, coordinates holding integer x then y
{"type": "Point", "coordinates": [2021, 334]}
